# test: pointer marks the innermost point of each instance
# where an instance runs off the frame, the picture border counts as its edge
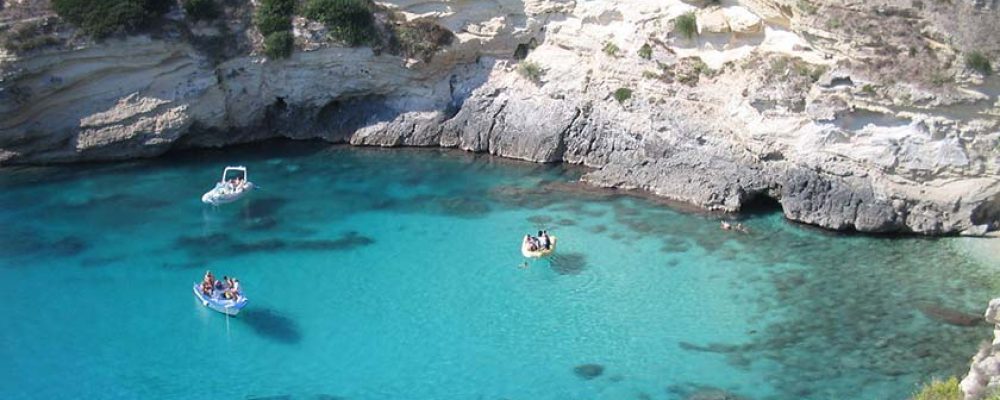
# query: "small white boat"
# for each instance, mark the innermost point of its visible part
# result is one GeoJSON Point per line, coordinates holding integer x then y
{"type": "Point", "coordinates": [219, 303]}
{"type": "Point", "coordinates": [527, 252]}
{"type": "Point", "coordinates": [229, 190]}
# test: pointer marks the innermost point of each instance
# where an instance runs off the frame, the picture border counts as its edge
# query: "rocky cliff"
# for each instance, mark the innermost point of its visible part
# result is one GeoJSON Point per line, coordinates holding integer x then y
{"type": "Point", "coordinates": [983, 378]}
{"type": "Point", "coordinates": [851, 116]}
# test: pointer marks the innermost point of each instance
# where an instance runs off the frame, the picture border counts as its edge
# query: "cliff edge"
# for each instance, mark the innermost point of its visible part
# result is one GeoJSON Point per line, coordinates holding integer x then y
{"type": "Point", "coordinates": [867, 117]}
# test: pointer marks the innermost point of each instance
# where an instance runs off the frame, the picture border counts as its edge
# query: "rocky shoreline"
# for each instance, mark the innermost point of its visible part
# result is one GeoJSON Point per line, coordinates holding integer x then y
{"type": "Point", "coordinates": [737, 115]}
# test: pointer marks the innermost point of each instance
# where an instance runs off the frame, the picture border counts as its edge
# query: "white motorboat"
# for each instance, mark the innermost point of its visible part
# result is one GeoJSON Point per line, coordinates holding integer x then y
{"type": "Point", "coordinates": [217, 302]}
{"type": "Point", "coordinates": [229, 189]}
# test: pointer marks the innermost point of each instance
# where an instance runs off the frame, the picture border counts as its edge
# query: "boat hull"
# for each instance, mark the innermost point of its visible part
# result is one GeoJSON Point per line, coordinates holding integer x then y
{"type": "Point", "coordinates": [526, 251]}
{"type": "Point", "coordinates": [229, 307]}
{"type": "Point", "coordinates": [216, 196]}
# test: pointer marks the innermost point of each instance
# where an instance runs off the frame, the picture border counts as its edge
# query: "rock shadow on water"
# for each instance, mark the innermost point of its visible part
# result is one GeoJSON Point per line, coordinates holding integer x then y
{"type": "Point", "coordinates": [271, 325]}
{"type": "Point", "coordinates": [568, 263]}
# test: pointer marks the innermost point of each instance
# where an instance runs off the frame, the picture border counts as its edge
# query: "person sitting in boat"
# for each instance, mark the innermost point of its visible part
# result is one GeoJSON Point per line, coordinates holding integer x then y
{"type": "Point", "coordinates": [233, 291]}
{"type": "Point", "coordinates": [545, 240]}
{"type": "Point", "coordinates": [532, 242]}
{"type": "Point", "coordinates": [207, 283]}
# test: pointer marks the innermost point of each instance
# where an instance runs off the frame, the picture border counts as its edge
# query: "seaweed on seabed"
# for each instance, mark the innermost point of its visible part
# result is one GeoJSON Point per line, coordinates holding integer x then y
{"type": "Point", "coordinates": [347, 241]}
{"type": "Point", "coordinates": [464, 207]}
{"type": "Point", "coordinates": [588, 371]}
{"type": "Point", "coordinates": [568, 263]}
{"type": "Point", "coordinates": [265, 207]}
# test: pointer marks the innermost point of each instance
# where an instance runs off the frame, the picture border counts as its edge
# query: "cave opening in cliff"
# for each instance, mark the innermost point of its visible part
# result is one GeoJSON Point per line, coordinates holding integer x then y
{"type": "Point", "coordinates": [760, 204]}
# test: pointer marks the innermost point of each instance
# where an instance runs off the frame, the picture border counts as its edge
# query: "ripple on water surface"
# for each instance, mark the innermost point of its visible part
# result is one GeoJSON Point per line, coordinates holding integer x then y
{"type": "Point", "coordinates": [396, 275]}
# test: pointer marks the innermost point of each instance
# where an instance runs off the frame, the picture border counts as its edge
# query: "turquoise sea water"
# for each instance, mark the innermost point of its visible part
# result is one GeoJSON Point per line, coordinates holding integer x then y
{"type": "Point", "coordinates": [394, 274]}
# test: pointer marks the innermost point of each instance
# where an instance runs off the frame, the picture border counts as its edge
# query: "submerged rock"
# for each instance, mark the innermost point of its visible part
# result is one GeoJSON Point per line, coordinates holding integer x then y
{"type": "Point", "coordinates": [950, 316]}
{"type": "Point", "coordinates": [588, 371]}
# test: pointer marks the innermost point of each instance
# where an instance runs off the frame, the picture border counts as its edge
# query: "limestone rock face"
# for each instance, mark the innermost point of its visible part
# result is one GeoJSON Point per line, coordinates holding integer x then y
{"type": "Point", "coordinates": [741, 20]}
{"type": "Point", "coordinates": [770, 101]}
{"type": "Point", "coordinates": [712, 20]}
{"type": "Point", "coordinates": [984, 373]}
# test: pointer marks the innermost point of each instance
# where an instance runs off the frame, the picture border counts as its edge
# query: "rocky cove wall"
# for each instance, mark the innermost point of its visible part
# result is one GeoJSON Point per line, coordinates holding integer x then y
{"type": "Point", "coordinates": [714, 121]}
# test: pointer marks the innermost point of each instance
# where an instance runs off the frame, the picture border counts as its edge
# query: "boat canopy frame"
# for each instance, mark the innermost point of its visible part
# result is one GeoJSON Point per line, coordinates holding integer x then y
{"type": "Point", "coordinates": [238, 168]}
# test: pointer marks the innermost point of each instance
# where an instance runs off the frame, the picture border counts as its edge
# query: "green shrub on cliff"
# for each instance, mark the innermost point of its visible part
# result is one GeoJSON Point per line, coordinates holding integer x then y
{"type": "Point", "coordinates": [610, 49]}
{"type": "Point", "coordinates": [530, 70]}
{"type": "Point", "coordinates": [687, 25]}
{"type": "Point", "coordinates": [274, 16]}
{"type": "Point", "coordinates": [202, 9]}
{"type": "Point", "coordinates": [25, 36]}
{"type": "Point", "coordinates": [350, 21]}
{"type": "Point", "coordinates": [978, 62]}
{"type": "Point", "coordinates": [646, 51]}
{"type": "Point", "coordinates": [622, 94]}
{"type": "Point", "coordinates": [279, 44]}
{"type": "Point", "coordinates": [421, 38]}
{"type": "Point", "coordinates": [101, 18]}
{"type": "Point", "coordinates": [274, 21]}
{"type": "Point", "coordinates": [940, 390]}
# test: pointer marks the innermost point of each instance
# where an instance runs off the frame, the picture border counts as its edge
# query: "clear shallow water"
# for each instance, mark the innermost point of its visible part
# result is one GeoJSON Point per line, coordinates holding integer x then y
{"type": "Point", "coordinates": [394, 275]}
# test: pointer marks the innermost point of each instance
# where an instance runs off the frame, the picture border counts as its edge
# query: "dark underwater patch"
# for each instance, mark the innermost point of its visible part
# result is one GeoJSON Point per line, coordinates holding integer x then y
{"type": "Point", "coordinates": [260, 224]}
{"type": "Point", "coordinates": [464, 207]}
{"type": "Point", "coordinates": [271, 325]}
{"type": "Point", "coordinates": [205, 245]}
{"type": "Point", "coordinates": [709, 348]}
{"type": "Point", "coordinates": [264, 207]}
{"type": "Point", "coordinates": [223, 244]}
{"type": "Point", "coordinates": [568, 263]}
{"type": "Point", "coordinates": [94, 262]}
{"type": "Point", "coordinates": [692, 391]}
{"type": "Point", "coordinates": [674, 245]}
{"type": "Point", "coordinates": [347, 241]}
{"type": "Point", "coordinates": [25, 243]}
{"type": "Point", "coordinates": [540, 220]}
{"type": "Point", "coordinates": [260, 245]}
{"type": "Point", "coordinates": [566, 222]}
{"type": "Point", "coordinates": [588, 371]}
{"type": "Point", "coordinates": [278, 397]}
{"type": "Point", "coordinates": [68, 246]}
